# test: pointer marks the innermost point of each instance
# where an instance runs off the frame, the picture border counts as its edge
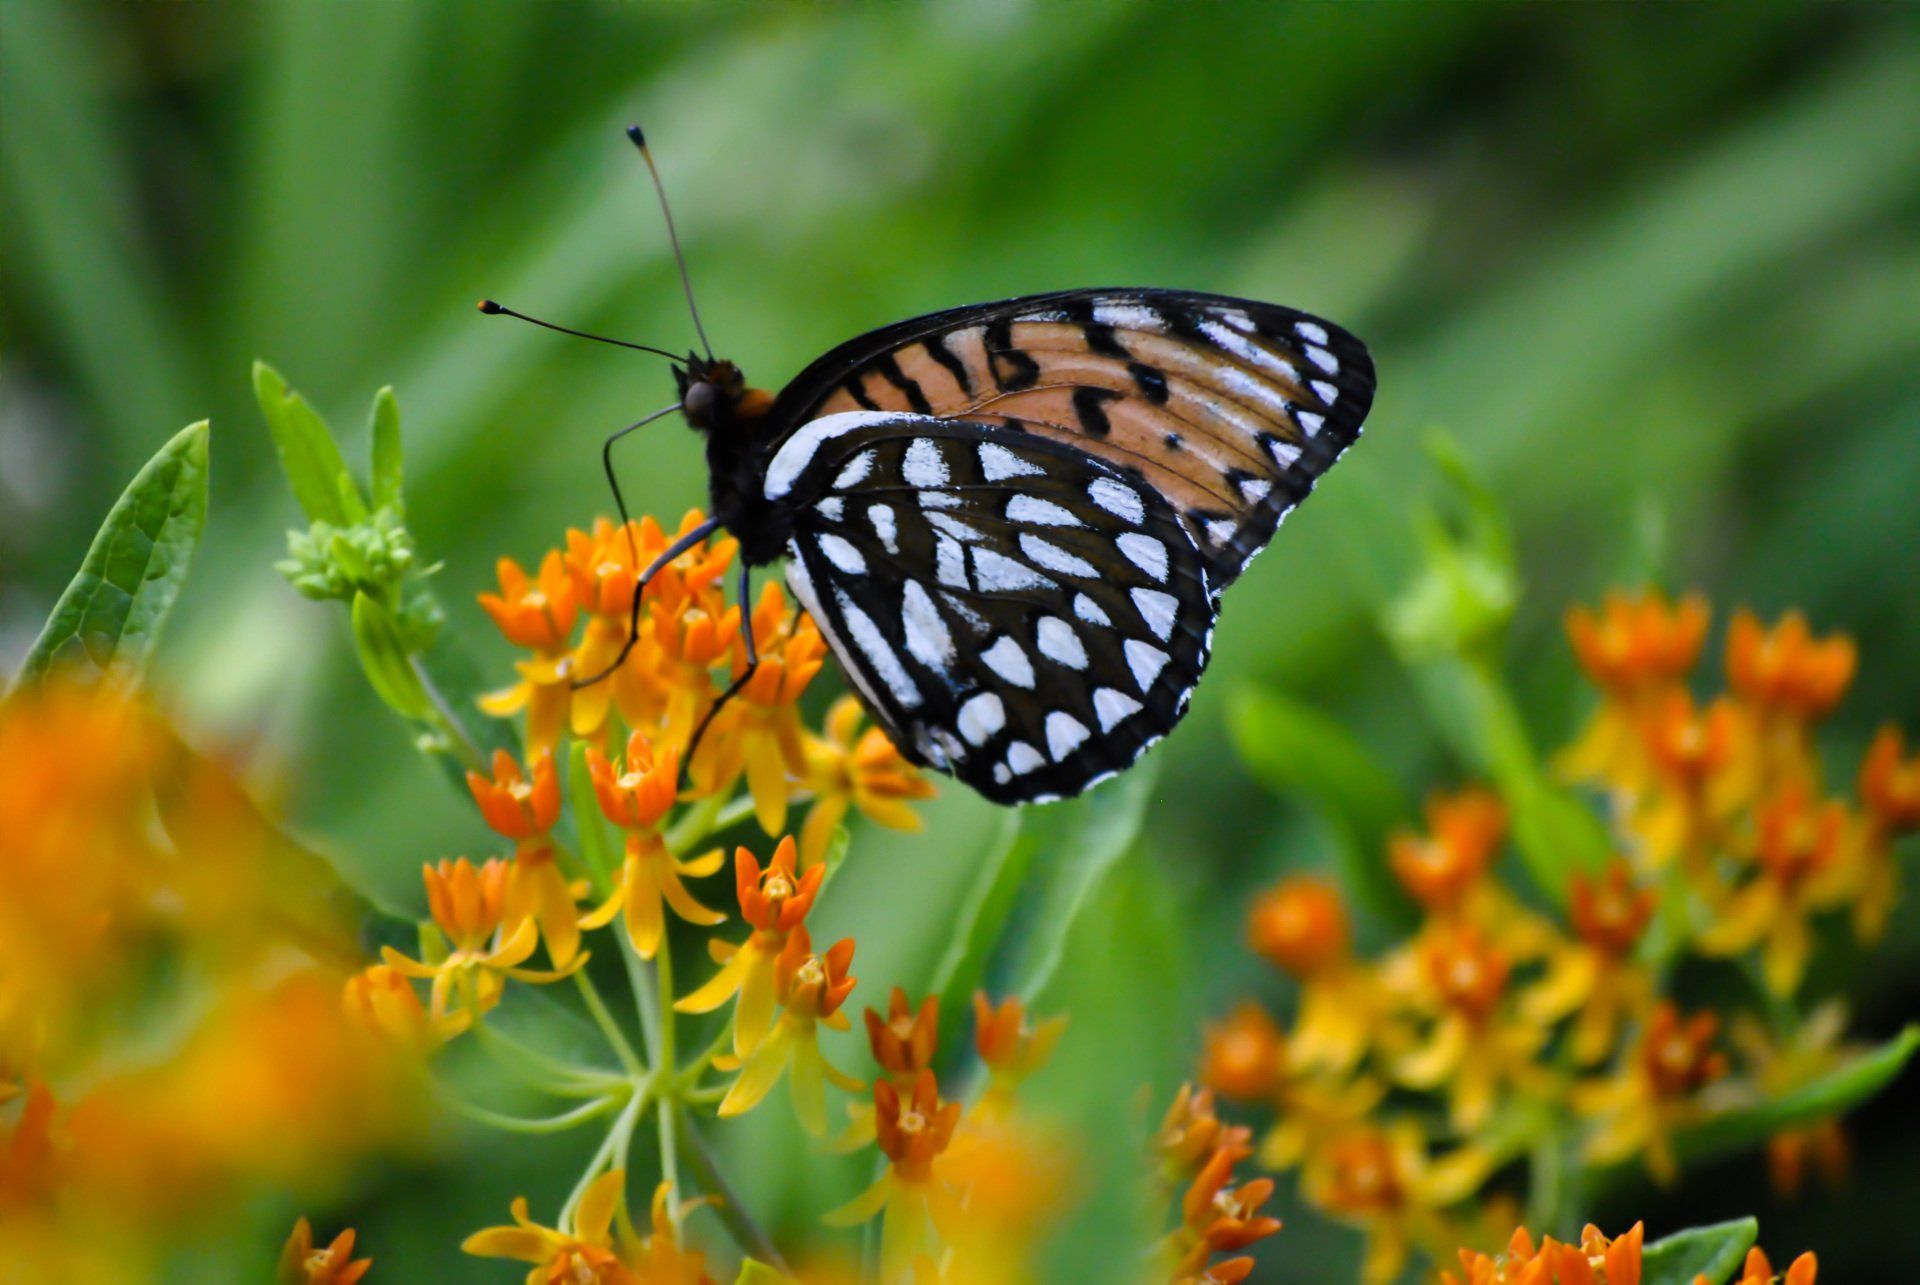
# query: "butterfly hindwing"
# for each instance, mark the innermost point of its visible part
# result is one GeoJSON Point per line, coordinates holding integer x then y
{"type": "Point", "coordinates": [1228, 408]}
{"type": "Point", "coordinates": [1020, 613]}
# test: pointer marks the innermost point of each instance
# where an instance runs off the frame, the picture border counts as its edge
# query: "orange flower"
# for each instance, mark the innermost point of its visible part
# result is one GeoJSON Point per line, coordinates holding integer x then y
{"type": "Point", "coordinates": [1190, 1133]}
{"type": "Point", "coordinates": [1596, 1260]}
{"type": "Point", "coordinates": [584, 1251]}
{"type": "Point", "coordinates": [1890, 796]}
{"type": "Point", "coordinates": [1595, 978]}
{"type": "Point", "coordinates": [1638, 642]}
{"type": "Point", "coordinates": [469, 909]}
{"type": "Point", "coordinates": [302, 1264]}
{"type": "Point", "coordinates": [774, 902]}
{"type": "Point", "coordinates": [1010, 1047]}
{"type": "Point", "coordinates": [1478, 1044]}
{"type": "Point", "coordinates": [525, 810]}
{"type": "Point", "coordinates": [913, 1132]}
{"type": "Point", "coordinates": [537, 614]}
{"type": "Point", "coordinates": [636, 795]}
{"type": "Point", "coordinates": [763, 737]}
{"type": "Point", "coordinates": [1385, 1182]}
{"type": "Point", "coordinates": [1244, 1057]}
{"type": "Point", "coordinates": [1786, 669]}
{"type": "Point", "coordinates": [380, 998]}
{"type": "Point", "coordinates": [1300, 926]}
{"type": "Point", "coordinates": [1692, 753]}
{"type": "Point", "coordinates": [693, 631]}
{"type": "Point", "coordinates": [861, 769]}
{"type": "Point", "coordinates": [903, 1040]}
{"type": "Point", "coordinates": [811, 989]}
{"type": "Point", "coordinates": [1758, 1270]}
{"type": "Point", "coordinates": [1800, 851]}
{"type": "Point", "coordinates": [1440, 870]}
{"type": "Point", "coordinates": [1655, 1091]}
{"type": "Point", "coordinates": [1217, 1218]}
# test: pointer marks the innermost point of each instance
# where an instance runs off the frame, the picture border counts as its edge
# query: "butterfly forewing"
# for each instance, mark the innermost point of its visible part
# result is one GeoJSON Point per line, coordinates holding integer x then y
{"type": "Point", "coordinates": [1226, 408]}
{"type": "Point", "coordinates": [1022, 614]}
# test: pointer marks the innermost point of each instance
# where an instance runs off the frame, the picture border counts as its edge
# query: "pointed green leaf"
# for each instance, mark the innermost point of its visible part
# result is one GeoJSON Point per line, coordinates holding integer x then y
{"type": "Point", "coordinates": [1013, 926]}
{"type": "Point", "coordinates": [1839, 1090]}
{"type": "Point", "coordinates": [112, 612]}
{"type": "Point", "coordinates": [1296, 750]}
{"type": "Point", "coordinates": [388, 472]}
{"type": "Point", "coordinates": [385, 661]}
{"type": "Point", "coordinates": [1714, 1252]}
{"type": "Point", "coordinates": [310, 457]}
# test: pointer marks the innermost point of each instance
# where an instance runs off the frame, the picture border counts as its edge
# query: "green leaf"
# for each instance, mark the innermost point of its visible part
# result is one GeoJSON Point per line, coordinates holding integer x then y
{"type": "Point", "coordinates": [1839, 1090]}
{"type": "Point", "coordinates": [310, 457]}
{"type": "Point", "coordinates": [1294, 749]}
{"type": "Point", "coordinates": [383, 658]}
{"type": "Point", "coordinates": [112, 613]}
{"type": "Point", "coordinates": [1714, 1252]}
{"type": "Point", "coordinates": [388, 473]}
{"type": "Point", "coordinates": [1013, 926]}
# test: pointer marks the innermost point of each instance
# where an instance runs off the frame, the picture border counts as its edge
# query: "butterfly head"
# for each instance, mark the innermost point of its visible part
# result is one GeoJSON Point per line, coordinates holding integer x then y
{"type": "Point", "coordinates": [714, 395]}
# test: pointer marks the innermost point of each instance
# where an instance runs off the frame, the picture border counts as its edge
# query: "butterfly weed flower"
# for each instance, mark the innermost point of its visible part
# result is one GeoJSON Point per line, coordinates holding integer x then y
{"type": "Point", "coordinates": [1800, 850]}
{"type": "Point", "coordinates": [592, 1246]}
{"type": "Point", "coordinates": [1594, 978]}
{"type": "Point", "coordinates": [1636, 648]}
{"type": "Point", "coordinates": [536, 612]}
{"type": "Point", "coordinates": [1386, 1182]}
{"type": "Point", "coordinates": [474, 946]}
{"type": "Point", "coordinates": [764, 740]}
{"type": "Point", "coordinates": [1300, 926]}
{"type": "Point", "coordinates": [525, 807]}
{"type": "Point", "coordinates": [811, 989]}
{"type": "Point", "coordinates": [303, 1263]}
{"type": "Point", "coordinates": [382, 998]}
{"type": "Point", "coordinates": [1758, 1270]}
{"type": "Point", "coordinates": [1596, 1259]}
{"type": "Point", "coordinates": [1778, 1063]}
{"type": "Point", "coordinates": [1010, 1047]}
{"type": "Point", "coordinates": [694, 631]}
{"type": "Point", "coordinates": [1785, 670]}
{"type": "Point", "coordinates": [1655, 1092]}
{"type": "Point", "coordinates": [913, 1130]}
{"type": "Point", "coordinates": [1889, 790]}
{"type": "Point", "coordinates": [636, 793]}
{"type": "Point", "coordinates": [851, 768]}
{"type": "Point", "coordinates": [1217, 1217]}
{"type": "Point", "coordinates": [1441, 869]}
{"type": "Point", "coordinates": [774, 901]}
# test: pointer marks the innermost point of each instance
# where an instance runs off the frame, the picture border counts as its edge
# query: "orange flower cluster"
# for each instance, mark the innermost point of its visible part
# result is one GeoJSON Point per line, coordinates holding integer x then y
{"type": "Point", "coordinates": [1497, 1016]}
{"type": "Point", "coordinates": [170, 1030]}
{"type": "Point", "coordinates": [596, 1242]}
{"type": "Point", "coordinates": [1598, 1260]}
{"type": "Point", "coordinates": [1198, 1155]}
{"type": "Point", "coordinates": [691, 646]}
{"type": "Point", "coordinates": [967, 1188]}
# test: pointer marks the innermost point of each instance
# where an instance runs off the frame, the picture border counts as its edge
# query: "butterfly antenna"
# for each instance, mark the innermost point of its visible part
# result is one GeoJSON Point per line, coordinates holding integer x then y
{"type": "Point", "coordinates": [493, 309]}
{"type": "Point", "coordinates": [679, 259]}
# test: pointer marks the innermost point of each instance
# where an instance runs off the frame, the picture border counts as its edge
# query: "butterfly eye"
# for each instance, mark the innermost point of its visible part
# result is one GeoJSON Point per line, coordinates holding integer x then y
{"type": "Point", "coordinates": [700, 403]}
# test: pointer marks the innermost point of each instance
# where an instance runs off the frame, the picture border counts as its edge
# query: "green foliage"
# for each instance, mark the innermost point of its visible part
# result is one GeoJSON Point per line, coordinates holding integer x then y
{"type": "Point", "coordinates": [1010, 932]}
{"type": "Point", "coordinates": [111, 615]}
{"type": "Point", "coordinates": [1714, 1252]}
{"type": "Point", "coordinates": [1293, 748]}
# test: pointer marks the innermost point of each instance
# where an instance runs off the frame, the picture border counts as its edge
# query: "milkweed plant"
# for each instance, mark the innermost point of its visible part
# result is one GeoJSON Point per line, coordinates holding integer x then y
{"type": "Point", "coordinates": [194, 1007]}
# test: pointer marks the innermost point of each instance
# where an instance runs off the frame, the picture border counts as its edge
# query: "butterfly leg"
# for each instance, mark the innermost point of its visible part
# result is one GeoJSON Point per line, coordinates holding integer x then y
{"type": "Point", "coordinates": [673, 551]}
{"type": "Point", "coordinates": [733, 688]}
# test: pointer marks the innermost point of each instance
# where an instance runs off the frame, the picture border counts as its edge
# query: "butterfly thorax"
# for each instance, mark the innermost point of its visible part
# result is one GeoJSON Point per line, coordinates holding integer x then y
{"type": "Point", "coordinates": [716, 400]}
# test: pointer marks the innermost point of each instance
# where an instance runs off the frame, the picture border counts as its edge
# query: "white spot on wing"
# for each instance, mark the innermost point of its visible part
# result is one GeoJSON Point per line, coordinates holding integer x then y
{"type": "Point", "coordinates": [1128, 316]}
{"type": "Point", "coordinates": [1145, 552]}
{"type": "Point", "coordinates": [926, 630]}
{"type": "Point", "coordinates": [1310, 331]}
{"type": "Point", "coordinates": [1089, 610]}
{"type": "Point", "coordinates": [832, 508]}
{"type": "Point", "coordinates": [1254, 489]}
{"type": "Point", "coordinates": [1284, 453]}
{"type": "Point", "coordinates": [1038, 512]}
{"type": "Point", "coordinates": [924, 467]}
{"type": "Point", "coordinates": [1245, 386]}
{"type": "Point", "coordinates": [997, 463]}
{"type": "Point", "coordinates": [842, 554]}
{"type": "Point", "coordinates": [1065, 734]}
{"type": "Point", "coordinates": [1118, 499]}
{"type": "Point", "coordinates": [1309, 422]}
{"type": "Point", "coordinates": [1059, 643]}
{"type": "Point", "coordinates": [1220, 530]}
{"type": "Point", "coordinates": [879, 653]}
{"type": "Point", "coordinates": [881, 515]}
{"type": "Point", "coordinates": [1146, 661]}
{"type": "Point", "coordinates": [1326, 392]}
{"type": "Point", "coordinates": [1323, 359]}
{"type": "Point", "coordinates": [981, 718]}
{"type": "Point", "coordinates": [954, 527]}
{"type": "Point", "coordinates": [1054, 558]}
{"type": "Point", "coordinates": [797, 452]}
{"type": "Point", "coordinates": [1007, 659]}
{"type": "Point", "coordinates": [939, 500]}
{"type": "Point", "coordinates": [1022, 758]}
{"type": "Point", "coordinates": [950, 562]}
{"type": "Point", "coordinates": [1158, 609]}
{"type": "Point", "coordinates": [855, 472]}
{"type": "Point", "coordinates": [1248, 351]}
{"type": "Point", "coordinates": [997, 573]}
{"type": "Point", "coordinates": [1002, 773]}
{"type": "Point", "coordinates": [1112, 706]}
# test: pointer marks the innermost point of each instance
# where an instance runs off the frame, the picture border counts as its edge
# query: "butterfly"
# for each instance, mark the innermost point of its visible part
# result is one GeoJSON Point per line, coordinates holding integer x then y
{"type": "Point", "coordinates": [1014, 522]}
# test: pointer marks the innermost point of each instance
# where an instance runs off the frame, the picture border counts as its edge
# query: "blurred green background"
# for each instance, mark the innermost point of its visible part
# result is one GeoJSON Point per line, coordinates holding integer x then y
{"type": "Point", "coordinates": [1656, 268]}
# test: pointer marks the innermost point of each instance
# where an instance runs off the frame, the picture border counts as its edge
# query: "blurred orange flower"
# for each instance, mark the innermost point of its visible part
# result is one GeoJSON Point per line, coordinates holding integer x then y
{"type": "Point", "coordinates": [1655, 1091]}
{"type": "Point", "coordinates": [1300, 925]}
{"type": "Point", "coordinates": [848, 767]}
{"type": "Point", "coordinates": [302, 1264]}
{"type": "Point", "coordinates": [469, 908]}
{"type": "Point", "coordinates": [1443, 867]}
{"type": "Point", "coordinates": [1758, 1270]}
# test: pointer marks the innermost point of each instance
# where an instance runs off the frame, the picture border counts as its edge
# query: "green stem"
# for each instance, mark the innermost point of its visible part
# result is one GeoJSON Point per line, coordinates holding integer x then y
{"type": "Point", "coordinates": [664, 1048]}
{"type": "Point", "coordinates": [746, 1233]}
{"type": "Point", "coordinates": [690, 1073]}
{"type": "Point", "coordinates": [701, 820]}
{"type": "Point", "coordinates": [540, 1071]}
{"type": "Point", "coordinates": [440, 718]}
{"type": "Point", "coordinates": [608, 1027]}
{"type": "Point", "coordinates": [645, 1001]}
{"type": "Point", "coordinates": [610, 1146]}
{"type": "Point", "coordinates": [524, 1124]}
